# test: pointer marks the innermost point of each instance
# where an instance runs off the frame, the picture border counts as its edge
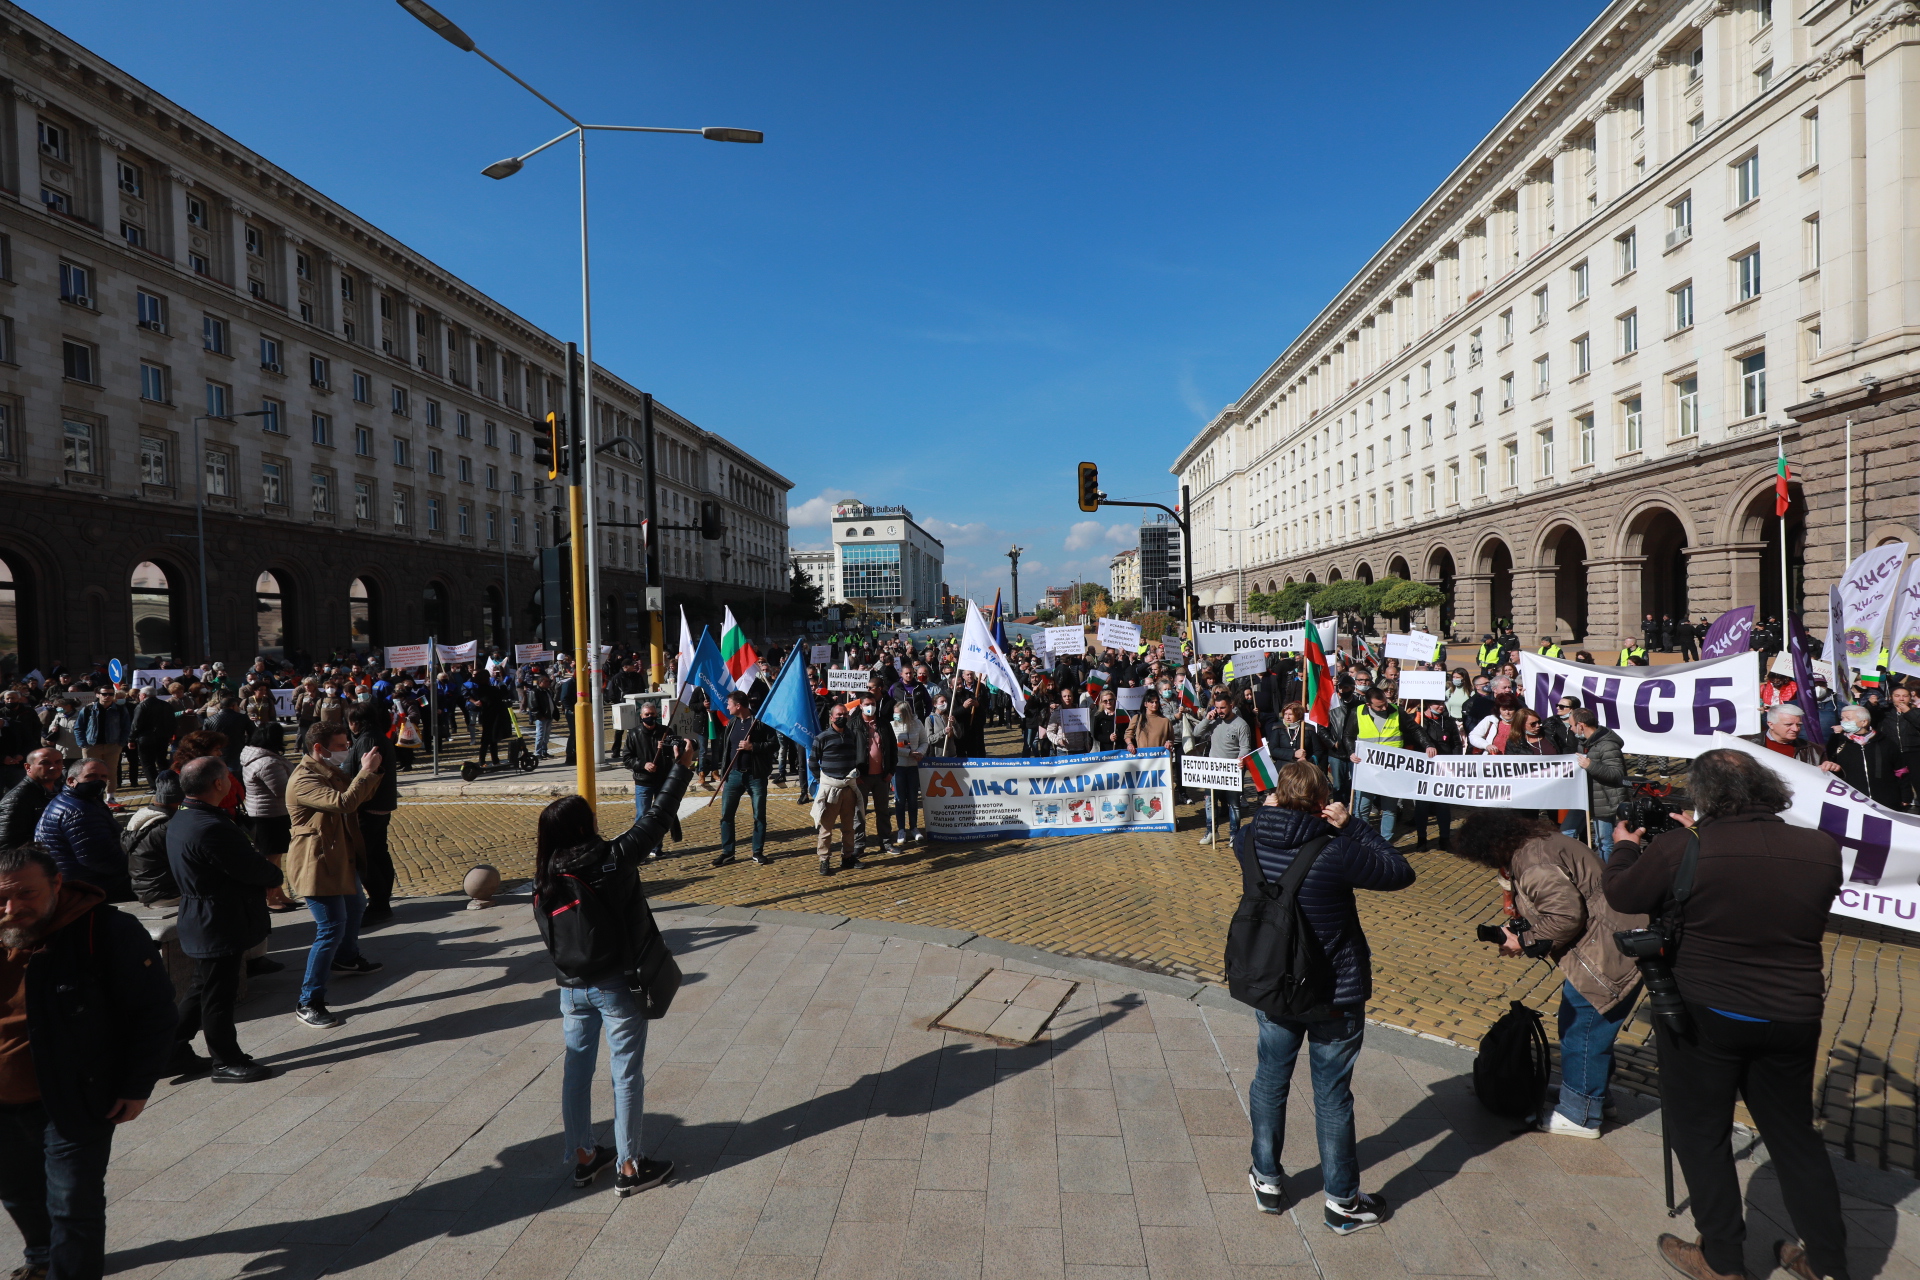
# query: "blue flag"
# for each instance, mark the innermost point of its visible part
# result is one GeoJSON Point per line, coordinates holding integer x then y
{"type": "Point", "coordinates": [999, 625]}
{"type": "Point", "coordinates": [710, 674]}
{"type": "Point", "coordinates": [788, 708]}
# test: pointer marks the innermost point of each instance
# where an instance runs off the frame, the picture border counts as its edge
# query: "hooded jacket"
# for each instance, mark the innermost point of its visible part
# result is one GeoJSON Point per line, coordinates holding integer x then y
{"type": "Point", "coordinates": [1606, 773]}
{"type": "Point", "coordinates": [1356, 858]}
{"type": "Point", "coordinates": [1556, 889]}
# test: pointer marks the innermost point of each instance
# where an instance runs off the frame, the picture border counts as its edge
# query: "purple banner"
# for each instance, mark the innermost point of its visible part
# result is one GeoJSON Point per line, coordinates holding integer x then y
{"type": "Point", "coordinates": [1810, 727]}
{"type": "Point", "coordinates": [1731, 632]}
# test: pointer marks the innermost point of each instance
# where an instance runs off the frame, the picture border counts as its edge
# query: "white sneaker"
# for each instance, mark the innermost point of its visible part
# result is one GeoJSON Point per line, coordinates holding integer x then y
{"type": "Point", "coordinates": [1207, 838]}
{"type": "Point", "coordinates": [1568, 1129]}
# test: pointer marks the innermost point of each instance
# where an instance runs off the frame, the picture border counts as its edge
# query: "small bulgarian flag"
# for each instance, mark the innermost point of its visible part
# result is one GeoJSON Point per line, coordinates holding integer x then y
{"type": "Point", "coordinates": [1319, 677]}
{"type": "Point", "coordinates": [1783, 475]}
{"type": "Point", "coordinates": [1189, 696]}
{"type": "Point", "coordinates": [1260, 765]}
{"type": "Point", "coordinates": [1097, 680]}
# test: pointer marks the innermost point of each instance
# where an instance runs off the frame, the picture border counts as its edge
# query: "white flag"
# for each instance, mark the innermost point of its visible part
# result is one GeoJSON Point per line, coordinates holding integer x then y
{"type": "Point", "coordinates": [683, 663]}
{"type": "Point", "coordinates": [1905, 637]}
{"type": "Point", "coordinates": [1865, 591]}
{"type": "Point", "coordinates": [979, 653]}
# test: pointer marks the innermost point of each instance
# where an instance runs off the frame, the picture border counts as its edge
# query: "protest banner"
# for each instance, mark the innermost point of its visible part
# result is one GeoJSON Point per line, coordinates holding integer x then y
{"type": "Point", "coordinates": [528, 654]}
{"type": "Point", "coordinates": [1425, 686]}
{"type": "Point", "coordinates": [1414, 646]}
{"type": "Point", "coordinates": [1115, 634]}
{"type": "Point", "coordinates": [405, 657]}
{"type": "Point", "coordinates": [822, 655]}
{"type": "Point", "coordinates": [997, 796]}
{"type": "Point", "coordinates": [1209, 774]}
{"type": "Point", "coordinates": [1879, 847]}
{"type": "Point", "coordinates": [1074, 719]}
{"type": "Point", "coordinates": [1783, 666]}
{"type": "Point", "coordinates": [1213, 639]}
{"type": "Point", "coordinates": [1731, 632]}
{"type": "Point", "coordinates": [156, 677]}
{"type": "Point", "coordinates": [1130, 699]}
{"type": "Point", "coordinates": [1865, 591]}
{"type": "Point", "coordinates": [1904, 639]}
{"type": "Point", "coordinates": [839, 681]}
{"type": "Point", "coordinates": [1658, 711]}
{"type": "Point", "coordinates": [1500, 782]}
{"type": "Point", "coordinates": [1066, 641]}
{"type": "Point", "coordinates": [283, 703]}
{"type": "Point", "coordinates": [471, 650]}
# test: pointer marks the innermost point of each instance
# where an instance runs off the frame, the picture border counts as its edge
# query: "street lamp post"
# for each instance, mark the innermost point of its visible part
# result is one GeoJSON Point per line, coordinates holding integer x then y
{"type": "Point", "coordinates": [1239, 559]}
{"type": "Point", "coordinates": [447, 30]}
{"type": "Point", "coordinates": [200, 516]}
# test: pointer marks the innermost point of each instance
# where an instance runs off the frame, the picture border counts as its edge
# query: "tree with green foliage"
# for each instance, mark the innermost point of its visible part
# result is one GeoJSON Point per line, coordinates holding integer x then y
{"type": "Point", "coordinates": [1403, 597]}
{"type": "Point", "coordinates": [809, 601]}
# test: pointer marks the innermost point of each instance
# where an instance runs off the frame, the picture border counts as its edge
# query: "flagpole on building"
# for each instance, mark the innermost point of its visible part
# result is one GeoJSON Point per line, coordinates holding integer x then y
{"type": "Point", "coordinates": [1846, 553]}
{"type": "Point", "coordinates": [1780, 440]}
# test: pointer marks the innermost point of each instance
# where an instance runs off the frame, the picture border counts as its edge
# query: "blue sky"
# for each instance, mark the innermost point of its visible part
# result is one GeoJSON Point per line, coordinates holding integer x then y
{"type": "Point", "coordinates": [981, 242]}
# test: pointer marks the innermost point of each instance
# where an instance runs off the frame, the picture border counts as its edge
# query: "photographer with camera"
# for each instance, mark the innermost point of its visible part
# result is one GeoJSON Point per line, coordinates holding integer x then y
{"type": "Point", "coordinates": [1736, 980]}
{"type": "Point", "coordinates": [1557, 912]}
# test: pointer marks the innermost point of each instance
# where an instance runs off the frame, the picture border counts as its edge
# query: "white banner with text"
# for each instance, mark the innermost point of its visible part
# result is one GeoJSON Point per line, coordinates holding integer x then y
{"type": "Point", "coordinates": [1658, 711]}
{"type": "Point", "coordinates": [997, 796]}
{"type": "Point", "coordinates": [1521, 782]}
{"type": "Point", "coordinates": [1216, 638]}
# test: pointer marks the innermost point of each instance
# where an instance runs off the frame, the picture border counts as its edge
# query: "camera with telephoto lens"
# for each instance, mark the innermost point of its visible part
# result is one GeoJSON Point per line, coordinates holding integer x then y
{"type": "Point", "coordinates": [1647, 806]}
{"type": "Point", "coordinates": [1651, 951]}
{"type": "Point", "coordinates": [1538, 949]}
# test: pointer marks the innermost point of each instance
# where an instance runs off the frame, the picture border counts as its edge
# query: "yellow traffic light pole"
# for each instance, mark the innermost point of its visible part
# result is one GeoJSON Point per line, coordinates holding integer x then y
{"type": "Point", "coordinates": [1091, 499]}
{"type": "Point", "coordinates": [586, 737]}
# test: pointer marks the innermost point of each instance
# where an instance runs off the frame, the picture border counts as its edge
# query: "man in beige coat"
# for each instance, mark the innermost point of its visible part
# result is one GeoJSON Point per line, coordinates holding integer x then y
{"type": "Point", "coordinates": [323, 862]}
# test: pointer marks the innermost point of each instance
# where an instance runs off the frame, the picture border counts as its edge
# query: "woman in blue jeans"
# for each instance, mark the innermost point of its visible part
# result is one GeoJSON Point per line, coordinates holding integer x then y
{"type": "Point", "coordinates": [1299, 815]}
{"type": "Point", "coordinates": [575, 869]}
{"type": "Point", "coordinates": [1552, 882]}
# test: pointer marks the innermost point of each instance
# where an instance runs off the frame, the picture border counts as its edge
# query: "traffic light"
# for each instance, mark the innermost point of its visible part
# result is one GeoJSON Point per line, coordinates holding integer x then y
{"type": "Point", "coordinates": [551, 610]}
{"type": "Point", "coordinates": [711, 525]}
{"type": "Point", "coordinates": [1089, 487]}
{"type": "Point", "coordinates": [547, 448]}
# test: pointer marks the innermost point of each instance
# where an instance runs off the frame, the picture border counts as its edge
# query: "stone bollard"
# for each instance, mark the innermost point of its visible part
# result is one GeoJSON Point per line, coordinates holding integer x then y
{"type": "Point", "coordinates": [481, 884]}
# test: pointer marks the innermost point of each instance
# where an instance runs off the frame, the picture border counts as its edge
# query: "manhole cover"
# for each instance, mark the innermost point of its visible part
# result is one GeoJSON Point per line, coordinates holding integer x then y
{"type": "Point", "coordinates": [1006, 1006]}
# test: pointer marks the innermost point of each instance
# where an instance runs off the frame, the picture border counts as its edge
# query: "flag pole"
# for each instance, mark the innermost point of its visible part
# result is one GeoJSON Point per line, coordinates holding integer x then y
{"type": "Point", "coordinates": [1780, 441]}
{"type": "Point", "coordinates": [1846, 552]}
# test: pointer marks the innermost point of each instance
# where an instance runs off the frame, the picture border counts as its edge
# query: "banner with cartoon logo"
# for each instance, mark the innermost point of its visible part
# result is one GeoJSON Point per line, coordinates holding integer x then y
{"type": "Point", "coordinates": [998, 796]}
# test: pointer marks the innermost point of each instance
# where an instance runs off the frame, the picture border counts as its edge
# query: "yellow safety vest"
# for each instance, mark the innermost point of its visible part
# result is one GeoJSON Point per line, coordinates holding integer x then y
{"type": "Point", "coordinates": [1882, 660]}
{"type": "Point", "coordinates": [1370, 731]}
{"type": "Point", "coordinates": [1489, 655]}
{"type": "Point", "coordinates": [1628, 654]}
{"type": "Point", "coordinates": [1549, 650]}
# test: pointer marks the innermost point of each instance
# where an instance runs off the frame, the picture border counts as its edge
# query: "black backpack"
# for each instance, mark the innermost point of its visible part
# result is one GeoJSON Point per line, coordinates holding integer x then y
{"type": "Point", "coordinates": [586, 929]}
{"type": "Point", "coordinates": [1510, 1072]}
{"type": "Point", "coordinates": [1274, 959]}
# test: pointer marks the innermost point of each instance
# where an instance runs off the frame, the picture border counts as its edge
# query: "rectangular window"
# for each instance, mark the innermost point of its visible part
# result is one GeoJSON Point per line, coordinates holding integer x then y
{"type": "Point", "coordinates": [493, 525]}
{"type": "Point", "coordinates": [219, 400]}
{"type": "Point", "coordinates": [322, 494]}
{"type": "Point", "coordinates": [257, 288]}
{"type": "Point", "coordinates": [1582, 281]}
{"type": "Point", "coordinates": [346, 287]}
{"type": "Point", "coordinates": [1540, 305]}
{"type": "Point", "coordinates": [363, 441]}
{"type": "Point", "coordinates": [1542, 375]}
{"type": "Point", "coordinates": [270, 355]}
{"type": "Point", "coordinates": [271, 417]}
{"type": "Point", "coordinates": [1762, 78]}
{"type": "Point", "coordinates": [1810, 242]}
{"type": "Point", "coordinates": [1746, 276]}
{"type": "Point", "coordinates": [1682, 306]}
{"type": "Point", "coordinates": [1629, 333]}
{"type": "Point", "coordinates": [53, 140]}
{"type": "Point", "coordinates": [1544, 440]}
{"type": "Point", "coordinates": [256, 243]}
{"type": "Point", "coordinates": [1583, 425]}
{"type": "Point", "coordinates": [1506, 327]}
{"type": "Point", "coordinates": [153, 383]}
{"type": "Point", "coordinates": [1480, 475]}
{"type": "Point", "coordinates": [433, 413]}
{"type": "Point", "coordinates": [1476, 349]}
{"type": "Point", "coordinates": [362, 388]}
{"type": "Point", "coordinates": [272, 489]}
{"type": "Point", "coordinates": [1810, 139]}
{"type": "Point", "coordinates": [433, 515]}
{"type": "Point", "coordinates": [464, 514]}
{"type": "Point", "coordinates": [1746, 180]}
{"type": "Point", "coordinates": [1476, 404]}
{"type": "Point", "coordinates": [1686, 406]}
{"type": "Point", "coordinates": [513, 443]}
{"type": "Point", "coordinates": [491, 434]}
{"type": "Point", "coordinates": [1680, 220]}
{"type": "Point", "coordinates": [362, 500]}
{"type": "Point", "coordinates": [519, 535]}
{"type": "Point", "coordinates": [213, 334]}
{"type": "Point", "coordinates": [197, 212]}
{"type": "Point", "coordinates": [462, 425]}
{"type": "Point", "coordinates": [1506, 391]}
{"type": "Point", "coordinates": [1510, 463]}
{"type": "Point", "coordinates": [1753, 385]}
{"type": "Point", "coordinates": [219, 474]}
{"type": "Point", "coordinates": [151, 309]}
{"type": "Point", "coordinates": [76, 284]}
{"type": "Point", "coordinates": [135, 236]}
{"type": "Point", "coordinates": [514, 484]}
{"type": "Point", "coordinates": [402, 452]}
{"type": "Point", "coordinates": [76, 359]}
{"type": "Point", "coordinates": [402, 509]}
{"type": "Point", "coordinates": [465, 467]}
{"type": "Point", "coordinates": [56, 201]}
{"type": "Point", "coordinates": [153, 460]}
{"type": "Point", "coordinates": [493, 478]}
{"type": "Point", "coordinates": [302, 266]}
{"type": "Point", "coordinates": [400, 402]}
{"type": "Point", "coordinates": [1632, 437]}
{"type": "Point", "coordinates": [1582, 355]}
{"type": "Point", "coordinates": [77, 438]}
{"type": "Point", "coordinates": [317, 372]}
{"type": "Point", "coordinates": [435, 467]}
{"type": "Point", "coordinates": [1626, 253]}
{"type": "Point", "coordinates": [1453, 483]}
{"type": "Point", "coordinates": [1697, 128]}
{"type": "Point", "coordinates": [322, 429]}
{"type": "Point", "coordinates": [198, 264]}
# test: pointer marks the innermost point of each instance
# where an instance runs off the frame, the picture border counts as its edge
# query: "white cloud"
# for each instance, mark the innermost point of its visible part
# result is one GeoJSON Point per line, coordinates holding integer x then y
{"type": "Point", "coordinates": [816, 511]}
{"type": "Point", "coordinates": [1123, 535]}
{"type": "Point", "coordinates": [1083, 534]}
{"type": "Point", "coordinates": [959, 535]}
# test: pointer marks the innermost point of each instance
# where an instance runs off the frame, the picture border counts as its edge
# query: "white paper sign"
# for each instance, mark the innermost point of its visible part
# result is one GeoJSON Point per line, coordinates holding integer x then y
{"type": "Point", "coordinates": [1063, 641]}
{"type": "Point", "coordinates": [1658, 711]}
{"type": "Point", "coordinates": [1115, 634]}
{"type": "Point", "coordinates": [156, 677]}
{"type": "Point", "coordinates": [822, 655]}
{"type": "Point", "coordinates": [283, 703]}
{"type": "Point", "coordinates": [1414, 646]}
{"type": "Point", "coordinates": [1524, 782]}
{"type": "Point", "coordinates": [1783, 666]}
{"type": "Point", "coordinates": [839, 681]}
{"type": "Point", "coordinates": [1130, 699]}
{"type": "Point", "coordinates": [404, 657]}
{"type": "Point", "coordinates": [528, 654]}
{"type": "Point", "coordinates": [1229, 638]}
{"type": "Point", "coordinates": [1209, 774]}
{"type": "Point", "coordinates": [469, 651]}
{"type": "Point", "coordinates": [1430, 686]}
{"type": "Point", "coordinates": [1074, 719]}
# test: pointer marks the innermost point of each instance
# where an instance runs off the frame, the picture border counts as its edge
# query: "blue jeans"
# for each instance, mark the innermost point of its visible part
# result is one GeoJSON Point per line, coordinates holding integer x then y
{"type": "Point", "coordinates": [643, 798]}
{"type": "Point", "coordinates": [1332, 1047]}
{"type": "Point", "coordinates": [336, 935]}
{"type": "Point", "coordinates": [906, 797]}
{"type": "Point", "coordinates": [1230, 800]}
{"type": "Point", "coordinates": [1366, 806]}
{"type": "Point", "coordinates": [584, 1011]}
{"type": "Point", "coordinates": [55, 1189]}
{"type": "Point", "coordinates": [542, 730]}
{"type": "Point", "coordinates": [737, 782]}
{"type": "Point", "coordinates": [1586, 1055]}
{"type": "Point", "coordinates": [1602, 842]}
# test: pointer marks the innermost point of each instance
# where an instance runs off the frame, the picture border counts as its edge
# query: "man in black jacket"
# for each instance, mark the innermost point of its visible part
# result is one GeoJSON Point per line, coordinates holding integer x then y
{"type": "Point", "coordinates": [21, 807]}
{"type": "Point", "coordinates": [223, 913]}
{"type": "Point", "coordinates": [86, 1017]}
{"type": "Point", "coordinates": [540, 709]}
{"type": "Point", "coordinates": [1899, 720]}
{"type": "Point", "coordinates": [641, 754]}
{"type": "Point", "coordinates": [838, 752]}
{"type": "Point", "coordinates": [153, 726]}
{"type": "Point", "coordinates": [368, 725]}
{"type": "Point", "coordinates": [234, 723]}
{"type": "Point", "coordinates": [879, 755]}
{"type": "Point", "coordinates": [747, 756]}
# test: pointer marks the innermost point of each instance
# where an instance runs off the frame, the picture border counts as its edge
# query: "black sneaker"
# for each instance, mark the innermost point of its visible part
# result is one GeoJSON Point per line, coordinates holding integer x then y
{"type": "Point", "coordinates": [763, 860]}
{"type": "Point", "coordinates": [247, 1072]}
{"type": "Point", "coordinates": [1268, 1195]}
{"type": "Point", "coordinates": [584, 1174]}
{"type": "Point", "coordinates": [723, 860]}
{"type": "Point", "coordinates": [359, 964]}
{"type": "Point", "coordinates": [375, 914]}
{"type": "Point", "coordinates": [646, 1173]}
{"type": "Point", "coordinates": [849, 864]}
{"type": "Point", "coordinates": [1344, 1217]}
{"type": "Point", "coordinates": [826, 868]}
{"type": "Point", "coordinates": [317, 1015]}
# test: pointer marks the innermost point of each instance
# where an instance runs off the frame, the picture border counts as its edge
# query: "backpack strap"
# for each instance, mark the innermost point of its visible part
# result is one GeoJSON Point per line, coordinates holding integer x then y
{"type": "Point", "coordinates": [1689, 864]}
{"type": "Point", "coordinates": [1296, 873]}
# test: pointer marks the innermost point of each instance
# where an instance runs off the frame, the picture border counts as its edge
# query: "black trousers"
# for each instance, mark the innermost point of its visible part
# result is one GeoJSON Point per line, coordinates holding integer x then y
{"type": "Point", "coordinates": [208, 1007]}
{"type": "Point", "coordinates": [379, 872]}
{"type": "Point", "coordinates": [877, 789]}
{"type": "Point", "coordinates": [154, 756]}
{"type": "Point", "coordinates": [1770, 1065]}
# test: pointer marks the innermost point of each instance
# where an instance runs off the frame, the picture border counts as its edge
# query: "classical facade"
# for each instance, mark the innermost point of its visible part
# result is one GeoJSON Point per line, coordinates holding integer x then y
{"type": "Point", "coordinates": [182, 322]}
{"type": "Point", "coordinates": [1558, 391]}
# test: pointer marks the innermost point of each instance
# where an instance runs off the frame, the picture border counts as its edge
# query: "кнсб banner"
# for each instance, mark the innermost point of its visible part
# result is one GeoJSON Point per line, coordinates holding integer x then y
{"type": "Point", "coordinates": [1879, 847]}
{"type": "Point", "coordinates": [1521, 782]}
{"type": "Point", "coordinates": [1657, 711]}
{"type": "Point", "coordinates": [972, 799]}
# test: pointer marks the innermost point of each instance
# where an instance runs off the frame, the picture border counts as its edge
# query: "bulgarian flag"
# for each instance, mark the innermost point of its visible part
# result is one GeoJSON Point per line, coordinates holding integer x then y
{"type": "Point", "coordinates": [1097, 680]}
{"type": "Point", "coordinates": [1319, 676]}
{"type": "Point", "coordinates": [1260, 765]}
{"type": "Point", "coordinates": [1189, 696]}
{"type": "Point", "coordinates": [1782, 476]}
{"type": "Point", "coordinates": [737, 653]}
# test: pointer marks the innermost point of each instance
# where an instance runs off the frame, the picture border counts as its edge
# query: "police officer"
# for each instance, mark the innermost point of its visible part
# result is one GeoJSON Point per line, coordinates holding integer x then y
{"type": "Point", "coordinates": [1548, 649]}
{"type": "Point", "coordinates": [1489, 655]}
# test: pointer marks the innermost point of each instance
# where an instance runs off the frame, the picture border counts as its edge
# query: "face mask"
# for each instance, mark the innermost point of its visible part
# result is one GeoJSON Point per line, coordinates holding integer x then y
{"type": "Point", "coordinates": [1458, 682]}
{"type": "Point", "coordinates": [90, 790]}
{"type": "Point", "coordinates": [866, 709]}
{"type": "Point", "coordinates": [340, 758]}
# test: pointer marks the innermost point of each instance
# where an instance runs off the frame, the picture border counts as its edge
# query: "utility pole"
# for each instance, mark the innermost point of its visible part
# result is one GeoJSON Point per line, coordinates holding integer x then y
{"type": "Point", "coordinates": [1013, 554]}
{"type": "Point", "coordinates": [586, 733]}
{"type": "Point", "coordinates": [655, 588]}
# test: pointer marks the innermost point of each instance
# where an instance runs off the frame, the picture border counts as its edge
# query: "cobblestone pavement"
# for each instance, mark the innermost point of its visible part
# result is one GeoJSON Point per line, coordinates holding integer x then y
{"type": "Point", "coordinates": [821, 1131]}
{"type": "Point", "coordinates": [1162, 903]}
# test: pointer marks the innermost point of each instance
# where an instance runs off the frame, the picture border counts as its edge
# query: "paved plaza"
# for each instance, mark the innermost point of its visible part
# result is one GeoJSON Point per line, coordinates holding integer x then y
{"type": "Point", "coordinates": [821, 1130]}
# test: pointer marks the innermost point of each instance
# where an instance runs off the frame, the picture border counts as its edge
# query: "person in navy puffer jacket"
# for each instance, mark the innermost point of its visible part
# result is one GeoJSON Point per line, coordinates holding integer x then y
{"type": "Point", "coordinates": [1298, 811]}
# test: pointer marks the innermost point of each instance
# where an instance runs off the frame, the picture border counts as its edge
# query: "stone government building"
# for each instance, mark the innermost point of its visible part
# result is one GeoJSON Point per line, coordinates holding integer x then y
{"type": "Point", "coordinates": [154, 271]}
{"type": "Point", "coordinates": [1556, 392]}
